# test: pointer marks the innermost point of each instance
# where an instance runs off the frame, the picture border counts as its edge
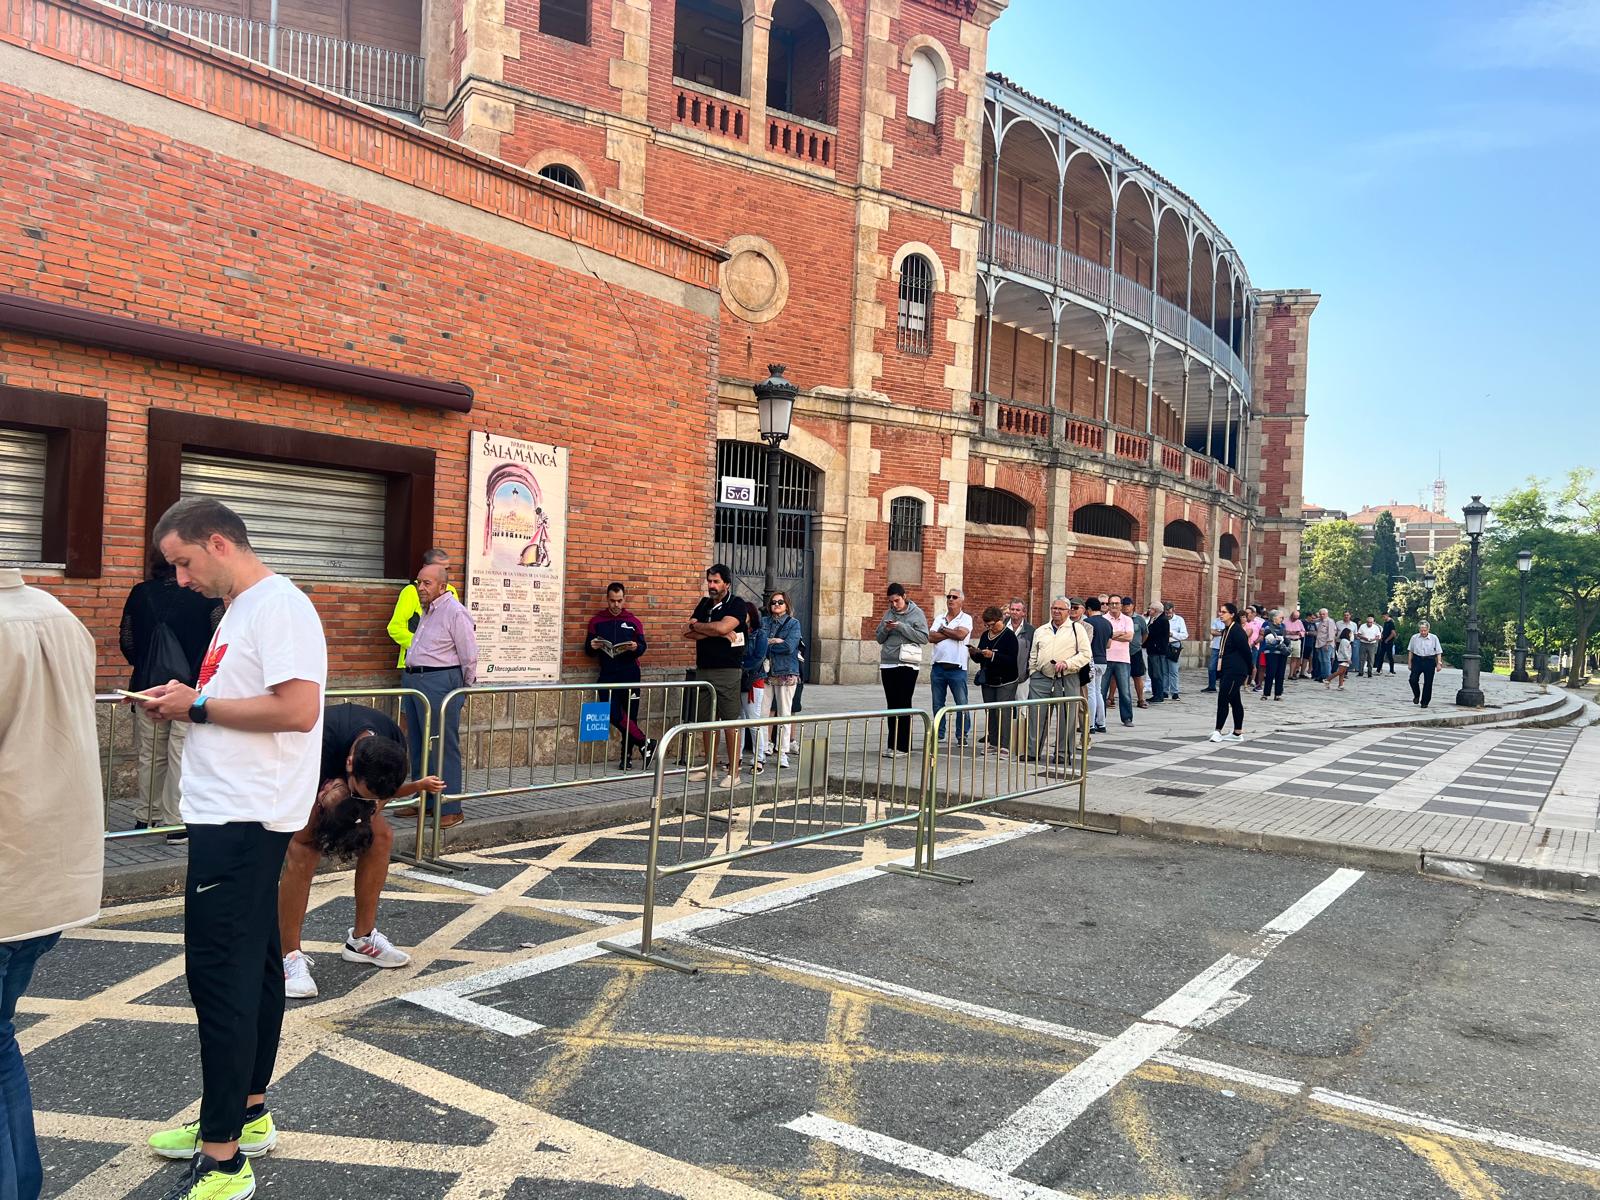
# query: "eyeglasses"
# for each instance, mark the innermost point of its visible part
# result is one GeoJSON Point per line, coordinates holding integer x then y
{"type": "Point", "coordinates": [953, 596]}
{"type": "Point", "coordinates": [778, 604]}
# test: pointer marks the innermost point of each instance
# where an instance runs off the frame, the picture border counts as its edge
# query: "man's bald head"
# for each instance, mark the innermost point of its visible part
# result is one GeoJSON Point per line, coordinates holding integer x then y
{"type": "Point", "coordinates": [431, 583]}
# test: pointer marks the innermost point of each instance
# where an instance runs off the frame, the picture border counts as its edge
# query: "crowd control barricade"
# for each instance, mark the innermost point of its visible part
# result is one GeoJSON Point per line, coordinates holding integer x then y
{"type": "Point", "coordinates": [841, 782]}
{"type": "Point", "coordinates": [119, 755]}
{"type": "Point", "coordinates": [391, 701]}
{"type": "Point", "coordinates": [985, 754]}
{"type": "Point", "coordinates": [536, 737]}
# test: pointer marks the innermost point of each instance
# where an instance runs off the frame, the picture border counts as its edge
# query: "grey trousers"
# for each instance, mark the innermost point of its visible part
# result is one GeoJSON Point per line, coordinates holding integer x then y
{"type": "Point", "coordinates": [1065, 719]}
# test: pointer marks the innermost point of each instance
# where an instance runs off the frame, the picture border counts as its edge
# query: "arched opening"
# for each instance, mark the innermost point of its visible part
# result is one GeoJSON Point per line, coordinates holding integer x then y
{"type": "Point", "coordinates": [922, 93]}
{"type": "Point", "coordinates": [562, 174]}
{"type": "Point", "coordinates": [907, 516]}
{"type": "Point", "coordinates": [1228, 548]}
{"type": "Point", "coordinates": [1181, 535]}
{"type": "Point", "coordinates": [708, 44]}
{"type": "Point", "coordinates": [800, 78]}
{"type": "Point", "coordinates": [991, 506]}
{"type": "Point", "coordinates": [916, 304]}
{"type": "Point", "coordinates": [1105, 520]}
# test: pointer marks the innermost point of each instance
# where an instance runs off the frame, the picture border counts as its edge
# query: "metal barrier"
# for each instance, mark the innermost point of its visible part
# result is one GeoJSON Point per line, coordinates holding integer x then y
{"type": "Point", "coordinates": [120, 744]}
{"type": "Point", "coordinates": [799, 805]}
{"type": "Point", "coordinates": [391, 702]}
{"type": "Point", "coordinates": [528, 737]}
{"type": "Point", "coordinates": [1027, 747]}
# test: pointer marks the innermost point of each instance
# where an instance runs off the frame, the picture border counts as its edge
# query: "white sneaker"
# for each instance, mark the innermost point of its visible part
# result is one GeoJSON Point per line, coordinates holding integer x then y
{"type": "Point", "coordinates": [1216, 736]}
{"type": "Point", "coordinates": [375, 950]}
{"type": "Point", "coordinates": [783, 762]}
{"type": "Point", "coordinates": [1236, 737]}
{"type": "Point", "coordinates": [297, 981]}
{"type": "Point", "coordinates": [889, 754]}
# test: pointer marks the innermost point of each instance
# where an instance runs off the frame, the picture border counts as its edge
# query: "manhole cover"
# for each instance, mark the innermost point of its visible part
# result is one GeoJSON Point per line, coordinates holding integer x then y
{"type": "Point", "coordinates": [1174, 791]}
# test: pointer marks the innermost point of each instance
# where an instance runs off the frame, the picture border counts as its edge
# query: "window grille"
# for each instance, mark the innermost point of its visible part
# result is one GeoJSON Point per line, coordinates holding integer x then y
{"type": "Point", "coordinates": [1181, 535]}
{"type": "Point", "coordinates": [562, 174]}
{"type": "Point", "coordinates": [905, 524]}
{"type": "Point", "coordinates": [1102, 520]}
{"type": "Point", "coordinates": [916, 304]}
{"type": "Point", "coordinates": [991, 506]}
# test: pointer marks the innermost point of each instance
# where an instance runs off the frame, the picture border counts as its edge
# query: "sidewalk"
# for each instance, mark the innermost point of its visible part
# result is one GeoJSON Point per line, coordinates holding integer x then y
{"type": "Point", "coordinates": [1163, 738]}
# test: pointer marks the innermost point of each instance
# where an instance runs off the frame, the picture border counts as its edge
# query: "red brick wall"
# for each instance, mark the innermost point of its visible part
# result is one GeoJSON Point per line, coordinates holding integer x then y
{"type": "Point", "coordinates": [554, 355]}
{"type": "Point", "coordinates": [998, 568]}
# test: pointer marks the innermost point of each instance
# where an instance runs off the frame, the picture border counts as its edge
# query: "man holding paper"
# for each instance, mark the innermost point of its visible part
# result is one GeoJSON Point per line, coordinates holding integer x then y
{"type": "Point", "coordinates": [616, 639]}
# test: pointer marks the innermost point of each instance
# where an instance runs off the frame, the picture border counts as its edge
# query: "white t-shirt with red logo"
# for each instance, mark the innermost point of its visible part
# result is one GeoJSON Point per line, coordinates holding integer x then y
{"type": "Point", "coordinates": [269, 635]}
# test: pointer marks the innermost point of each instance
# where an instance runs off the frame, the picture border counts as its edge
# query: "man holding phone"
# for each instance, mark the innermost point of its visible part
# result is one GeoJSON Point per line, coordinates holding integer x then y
{"type": "Point", "coordinates": [249, 780]}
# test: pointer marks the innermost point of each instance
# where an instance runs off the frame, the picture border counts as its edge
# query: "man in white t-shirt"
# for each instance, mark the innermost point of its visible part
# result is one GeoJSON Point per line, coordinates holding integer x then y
{"type": "Point", "coordinates": [250, 767]}
{"type": "Point", "coordinates": [949, 635]}
{"type": "Point", "coordinates": [1368, 636]}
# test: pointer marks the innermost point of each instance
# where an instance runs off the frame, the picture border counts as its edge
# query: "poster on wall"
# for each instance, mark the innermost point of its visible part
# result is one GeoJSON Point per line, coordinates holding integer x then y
{"type": "Point", "coordinates": [516, 556]}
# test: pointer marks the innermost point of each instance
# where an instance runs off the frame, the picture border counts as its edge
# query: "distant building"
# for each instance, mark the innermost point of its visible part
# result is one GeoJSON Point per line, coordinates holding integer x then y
{"type": "Point", "coordinates": [1311, 514]}
{"type": "Point", "coordinates": [1424, 532]}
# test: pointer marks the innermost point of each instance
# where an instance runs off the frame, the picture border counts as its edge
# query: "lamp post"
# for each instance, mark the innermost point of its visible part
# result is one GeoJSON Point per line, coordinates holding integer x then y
{"type": "Point", "coordinates": [1519, 668]}
{"type": "Point", "coordinates": [1470, 694]}
{"type": "Point", "coordinates": [775, 409]}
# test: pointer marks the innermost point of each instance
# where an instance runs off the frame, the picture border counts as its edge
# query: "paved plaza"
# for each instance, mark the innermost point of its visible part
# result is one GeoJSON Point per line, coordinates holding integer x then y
{"type": "Point", "coordinates": [1094, 1017]}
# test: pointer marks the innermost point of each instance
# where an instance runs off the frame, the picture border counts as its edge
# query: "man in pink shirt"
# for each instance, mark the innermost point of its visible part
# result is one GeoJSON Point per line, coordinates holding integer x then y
{"type": "Point", "coordinates": [1119, 658]}
{"type": "Point", "coordinates": [443, 656]}
{"type": "Point", "coordinates": [1252, 628]}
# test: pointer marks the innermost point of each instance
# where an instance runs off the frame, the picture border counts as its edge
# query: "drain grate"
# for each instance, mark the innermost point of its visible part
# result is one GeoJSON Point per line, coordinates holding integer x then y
{"type": "Point", "coordinates": [1175, 791]}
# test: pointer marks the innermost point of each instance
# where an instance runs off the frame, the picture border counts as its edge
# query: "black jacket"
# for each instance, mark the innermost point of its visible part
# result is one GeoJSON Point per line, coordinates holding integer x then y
{"type": "Point", "coordinates": [191, 617]}
{"type": "Point", "coordinates": [1236, 658]}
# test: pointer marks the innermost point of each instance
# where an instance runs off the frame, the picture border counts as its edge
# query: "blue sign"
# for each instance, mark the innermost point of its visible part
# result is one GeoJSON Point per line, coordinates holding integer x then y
{"type": "Point", "coordinates": [594, 722]}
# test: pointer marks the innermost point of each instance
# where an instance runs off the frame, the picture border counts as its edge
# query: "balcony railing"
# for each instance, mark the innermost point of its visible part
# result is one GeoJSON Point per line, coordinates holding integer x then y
{"type": "Point", "coordinates": [1039, 258]}
{"type": "Point", "coordinates": [1035, 423]}
{"type": "Point", "coordinates": [711, 110]}
{"type": "Point", "coordinates": [373, 75]}
{"type": "Point", "coordinates": [794, 137]}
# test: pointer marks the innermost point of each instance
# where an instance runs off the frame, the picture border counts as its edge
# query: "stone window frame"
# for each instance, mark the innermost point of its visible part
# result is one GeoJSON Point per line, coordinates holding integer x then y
{"type": "Point", "coordinates": [74, 428]}
{"type": "Point", "coordinates": [906, 339]}
{"type": "Point", "coordinates": [933, 51]}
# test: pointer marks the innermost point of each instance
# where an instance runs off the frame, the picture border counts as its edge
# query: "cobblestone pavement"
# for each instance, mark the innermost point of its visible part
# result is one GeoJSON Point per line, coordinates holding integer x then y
{"type": "Point", "coordinates": [1094, 1017]}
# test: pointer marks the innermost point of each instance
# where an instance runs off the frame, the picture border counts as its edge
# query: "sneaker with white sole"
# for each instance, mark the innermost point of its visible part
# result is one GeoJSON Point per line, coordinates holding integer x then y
{"type": "Point", "coordinates": [204, 1179]}
{"type": "Point", "coordinates": [297, 981]}
{"type": "Point", "coordinates": [375, 950]}
{"type": "Point", "coordinates": [783, 762]}
{"type": "Point", "coordinates": [255, 1139]}
{"type": "Point", "coordinates": [1216, 735]}
{"type": "Point", "coordinates": [1236, 737]}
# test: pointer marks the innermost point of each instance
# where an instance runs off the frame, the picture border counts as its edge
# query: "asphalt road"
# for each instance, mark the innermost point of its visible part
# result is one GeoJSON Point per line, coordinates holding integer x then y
{"type": "Point", "coordinates": [1093, 1017]}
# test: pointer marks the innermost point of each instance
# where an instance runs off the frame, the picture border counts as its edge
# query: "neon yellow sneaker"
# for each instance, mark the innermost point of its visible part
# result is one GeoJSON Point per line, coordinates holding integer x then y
{"type": "Point", "coordinates": [205, 1180]}
{"type": "Point", "coordinates": [256, 1139]}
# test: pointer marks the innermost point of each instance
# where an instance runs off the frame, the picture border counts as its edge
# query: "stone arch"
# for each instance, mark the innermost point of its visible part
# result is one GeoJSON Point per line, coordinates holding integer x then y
{"type": "Point", "coordinates": [929, 504]}
{"type": "Point", "coordinates": [935, 48]}
{"type": "Point", "coordinates": [565, 158]}
{"type": "Point", "coordinates": [1107, 521]}
{"type": "Point", "coordinates": [833, 16]}
{"type": "Point", "coordinates": [927, 252]}
{"type": "Point", "coordinates": [741, 424]}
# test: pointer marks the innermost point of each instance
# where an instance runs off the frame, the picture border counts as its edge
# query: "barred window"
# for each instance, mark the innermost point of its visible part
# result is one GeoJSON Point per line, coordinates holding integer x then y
{"type": "Point", "coordinates": [916, 304]}
{"type": "Point", "coordinates": [562, 174]}
{"type": "Point", "coordinates": [1103, 520]}
{"type": "Point", "coordinates": [991, 506]}
{"type": "Point", "coordinates": [1181, 535]}
{"type": "Point", "coordinates": [905, 525]}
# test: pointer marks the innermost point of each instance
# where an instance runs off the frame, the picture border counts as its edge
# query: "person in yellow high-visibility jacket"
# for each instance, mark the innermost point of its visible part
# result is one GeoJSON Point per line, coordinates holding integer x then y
{"type": "Point", "coordinates": [408, 608]}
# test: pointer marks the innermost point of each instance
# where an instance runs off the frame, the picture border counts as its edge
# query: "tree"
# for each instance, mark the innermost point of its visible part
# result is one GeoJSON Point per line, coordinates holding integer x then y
{"type": "Point", "coordinates": [1561, 526]}
{"type": "Point", "coordinates": [1336, 570]}
{"type": "Point", "coordinates": [1385, 551]}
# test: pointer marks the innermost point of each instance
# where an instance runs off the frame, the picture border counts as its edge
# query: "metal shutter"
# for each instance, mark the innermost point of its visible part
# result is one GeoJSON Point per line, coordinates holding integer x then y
{"type": "Point", "coordinates": [22, 456]}
{"type": "Point", "coordinates": [308, 522]}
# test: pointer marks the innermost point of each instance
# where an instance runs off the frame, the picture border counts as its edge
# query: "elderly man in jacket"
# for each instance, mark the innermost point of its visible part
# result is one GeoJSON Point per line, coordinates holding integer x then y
{"type": "Point", "coordinates": [52, 854]}
{"type": "Point", "coordinates": [1060, 652]}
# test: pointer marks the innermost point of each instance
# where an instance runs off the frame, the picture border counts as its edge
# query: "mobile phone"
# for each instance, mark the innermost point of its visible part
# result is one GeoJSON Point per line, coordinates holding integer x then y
{"type": "Point", "coordinates": [143, 697]}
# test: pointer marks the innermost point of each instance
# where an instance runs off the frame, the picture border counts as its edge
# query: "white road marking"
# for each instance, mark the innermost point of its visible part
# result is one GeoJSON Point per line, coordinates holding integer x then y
{"type": "Point", "coordinates": [454, 999]}
{"type": "Point", "coordinates": [460, 885]}
{"type": "Point", "coordinates": [958, 1172]}
{"type": "Point", "coordinates": [1042, 1119]}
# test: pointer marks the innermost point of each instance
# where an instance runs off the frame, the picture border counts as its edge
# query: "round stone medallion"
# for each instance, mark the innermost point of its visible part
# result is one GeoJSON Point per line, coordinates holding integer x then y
{"type": "Point", "coordinates": [755, 283]}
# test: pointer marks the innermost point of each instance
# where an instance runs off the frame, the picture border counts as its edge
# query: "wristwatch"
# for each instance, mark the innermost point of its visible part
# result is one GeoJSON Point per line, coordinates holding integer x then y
{"type": "Point", "coordinates": [197, 710]}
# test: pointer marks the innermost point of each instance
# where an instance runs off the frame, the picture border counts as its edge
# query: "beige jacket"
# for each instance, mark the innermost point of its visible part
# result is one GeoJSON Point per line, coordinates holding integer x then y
{"type": "Point", "coordinates": [52, 824]}
{"type": "Point", "coordinates": [1072, 645]}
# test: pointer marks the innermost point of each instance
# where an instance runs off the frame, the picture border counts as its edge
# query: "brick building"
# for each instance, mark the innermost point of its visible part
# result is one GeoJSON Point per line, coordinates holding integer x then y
{"type": "Point", "coordinates": [1423, 531]}
{"type": "Point", "coordinates": [1028, 363]}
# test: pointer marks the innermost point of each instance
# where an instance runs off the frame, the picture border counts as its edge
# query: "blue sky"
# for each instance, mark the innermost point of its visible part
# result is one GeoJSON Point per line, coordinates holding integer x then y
{"type": "Point", "coordinates": [1432, 169]}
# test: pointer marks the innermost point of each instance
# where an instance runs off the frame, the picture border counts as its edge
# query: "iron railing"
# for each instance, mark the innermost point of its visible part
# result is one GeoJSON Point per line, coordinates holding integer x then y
{"type": "Point", "coordinates": [374, 75]}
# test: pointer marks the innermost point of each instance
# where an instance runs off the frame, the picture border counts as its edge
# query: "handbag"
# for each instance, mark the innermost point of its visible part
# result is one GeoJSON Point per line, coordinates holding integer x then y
{"type": "Point", "coordinates": [911, 652]}
{"type": "Point", "coordinates": [1175, 651]}
{"type": "Point", "coordinates": [164, 659]}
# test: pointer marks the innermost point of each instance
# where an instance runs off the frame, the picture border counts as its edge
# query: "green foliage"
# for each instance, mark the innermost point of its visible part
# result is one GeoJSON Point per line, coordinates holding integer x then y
{"type": "Point", "coordinates": [1336, 570]}
{"type": "Point", "coordinates": [1385, 551]}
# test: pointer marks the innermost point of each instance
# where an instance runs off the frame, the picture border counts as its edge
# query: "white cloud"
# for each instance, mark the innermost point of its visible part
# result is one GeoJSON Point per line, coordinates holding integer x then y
{"type": "Point", "coordinates": [1545, 33]}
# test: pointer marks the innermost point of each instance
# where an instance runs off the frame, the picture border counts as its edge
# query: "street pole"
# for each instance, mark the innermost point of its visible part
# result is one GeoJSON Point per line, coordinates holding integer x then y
{"type": "Point", "coordinates": [1470, 694]}
{"type": "Point", "coordinates": [769, 583]}
{"type": "Point", "coordinates": [1519, 668]}
{"type": "Point", "coordinates": [775, 398]}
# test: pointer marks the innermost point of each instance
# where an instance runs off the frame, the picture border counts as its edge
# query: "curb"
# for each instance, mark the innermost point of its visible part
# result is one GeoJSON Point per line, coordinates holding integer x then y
{"type": "Point", "coordinates": [1550, 882]}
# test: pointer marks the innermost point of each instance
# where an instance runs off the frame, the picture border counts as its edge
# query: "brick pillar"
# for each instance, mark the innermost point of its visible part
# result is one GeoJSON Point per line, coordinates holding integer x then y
{"type": "Point", "coordinates": [1282, 335]}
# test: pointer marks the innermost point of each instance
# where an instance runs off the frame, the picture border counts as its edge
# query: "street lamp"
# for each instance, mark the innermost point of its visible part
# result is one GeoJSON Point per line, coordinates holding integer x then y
{"type": "Point", "coordinates": [775, 410]}
{"type": "Point", "coordinates": [1519, 668]}
{"type": "Point", "coordinates": [1470, 694]}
